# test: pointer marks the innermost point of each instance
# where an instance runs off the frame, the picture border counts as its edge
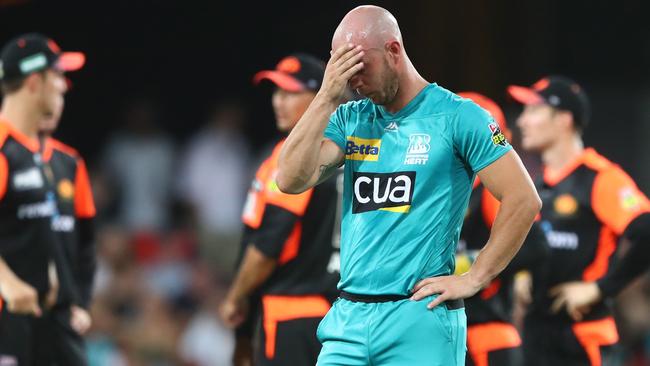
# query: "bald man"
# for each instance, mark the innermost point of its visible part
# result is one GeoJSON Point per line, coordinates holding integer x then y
{"type": "Point", "coordinates": [410, 151]}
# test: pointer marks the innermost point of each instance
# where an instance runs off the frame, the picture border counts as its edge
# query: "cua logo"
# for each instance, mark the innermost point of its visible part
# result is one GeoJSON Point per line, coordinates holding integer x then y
{"type": "Point", "coordinates": [362, 149]}
{"type": "Point", "coordinates": [383, 191]}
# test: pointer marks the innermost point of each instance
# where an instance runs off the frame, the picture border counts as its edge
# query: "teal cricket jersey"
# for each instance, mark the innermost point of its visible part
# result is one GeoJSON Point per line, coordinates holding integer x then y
{"type": "Point", "coordinates": [408, 178]}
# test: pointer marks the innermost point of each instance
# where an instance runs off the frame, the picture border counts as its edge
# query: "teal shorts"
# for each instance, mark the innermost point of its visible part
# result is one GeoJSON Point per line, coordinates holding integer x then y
{"type": "Point", "coordinates": [401, 332]}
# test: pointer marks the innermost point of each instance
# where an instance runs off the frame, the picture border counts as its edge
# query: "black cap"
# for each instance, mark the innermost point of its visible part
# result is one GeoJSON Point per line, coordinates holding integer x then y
{"type": "Point", "coordinates": [295, 73]}
{"type": "Point", "coordinates": [33, 52]}
{"type": "Point", "coordinates": [559, 92]}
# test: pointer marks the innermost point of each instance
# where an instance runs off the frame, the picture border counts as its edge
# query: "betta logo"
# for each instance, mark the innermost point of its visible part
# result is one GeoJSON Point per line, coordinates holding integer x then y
{"type": "Point", "coordinates": [383, 191]}
{"type": "Point", "coordinates": [362, 149]}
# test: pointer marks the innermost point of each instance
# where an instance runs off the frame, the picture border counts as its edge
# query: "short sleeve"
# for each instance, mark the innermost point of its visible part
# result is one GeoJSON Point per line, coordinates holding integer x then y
{"type": "Point", "coordinates": [84, 204]}
{"type": "Point", "coordinates": [616, 199]}
{"type": "Point", "coordinates": [335, 129]}
{"type": "Point", "coordinates": [477, 139]}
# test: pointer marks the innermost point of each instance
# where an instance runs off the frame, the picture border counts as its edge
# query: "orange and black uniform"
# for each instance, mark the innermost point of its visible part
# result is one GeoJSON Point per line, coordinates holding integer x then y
{"type": "Point", "coordinates": [492, 338]}
{"type": "Point", "coordinates": [27, 242]}
{"type": "Point", "coordinates": [75, 260]}
{"type": "Point", "coordinates": [300, 232]}
{"type": "Point", "coordinates": [587, 207]}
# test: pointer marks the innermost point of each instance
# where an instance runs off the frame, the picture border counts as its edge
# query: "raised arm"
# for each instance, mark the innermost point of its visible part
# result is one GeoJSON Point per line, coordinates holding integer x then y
{"type": "Point", "coordinates": [306, 157]}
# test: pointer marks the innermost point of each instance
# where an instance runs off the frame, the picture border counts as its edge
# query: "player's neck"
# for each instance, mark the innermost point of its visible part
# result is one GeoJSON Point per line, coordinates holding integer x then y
{"type": "Point", "coordinates": [21, 116]}
{"type": "Point", "coordinates": [410, 85]}
{"type": "Point", "coordinates": [563, 152]}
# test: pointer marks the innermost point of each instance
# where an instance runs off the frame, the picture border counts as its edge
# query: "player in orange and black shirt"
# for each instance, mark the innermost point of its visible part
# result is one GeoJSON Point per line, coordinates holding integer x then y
{"type": "Point", "coordinates": [69, 319]}
{"type": "Point", "coordinates": [33, 86]}
{"type": "Point", "coordinates": [291, 257]}
{"type": "Point", "coordinates": [589, 203]}
{"type": "Point", "coordinates": [580, 296]}
{"type": "Point", "coordinates": [492, 339]}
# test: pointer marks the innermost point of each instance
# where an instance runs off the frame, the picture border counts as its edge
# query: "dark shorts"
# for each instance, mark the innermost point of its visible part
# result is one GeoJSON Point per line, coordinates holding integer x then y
{"type": "Point", "coordinates": [288, 330]}
{"type": "Point", "coordinates": [49, 340]}
{"type": "Point", "coordinates": [588, 343]}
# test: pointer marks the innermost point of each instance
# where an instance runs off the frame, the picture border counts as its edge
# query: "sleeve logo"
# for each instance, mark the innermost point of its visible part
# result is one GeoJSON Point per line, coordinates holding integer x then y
{"type": "Point", "coordinates": [498, 138]}
{"type": "Point", "coordinates": [630, 201]}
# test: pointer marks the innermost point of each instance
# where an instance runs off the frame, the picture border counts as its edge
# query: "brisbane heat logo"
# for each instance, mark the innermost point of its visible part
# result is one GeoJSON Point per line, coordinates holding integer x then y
{"type": "Point", "coordinates": [362, 149]}
{"type": "Point", "coordinates": [383, 191]}
{"type": "Point", "coordinates": [418, 150]}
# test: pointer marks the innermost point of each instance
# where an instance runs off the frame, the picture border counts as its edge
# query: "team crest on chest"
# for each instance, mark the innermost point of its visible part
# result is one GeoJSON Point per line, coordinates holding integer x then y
{"type": "Point", "coordinates": [65, 189]}
{"type": "Point", "coordinates": [418, 150]}
{"type": "Point", "coordinates": [565, 205]}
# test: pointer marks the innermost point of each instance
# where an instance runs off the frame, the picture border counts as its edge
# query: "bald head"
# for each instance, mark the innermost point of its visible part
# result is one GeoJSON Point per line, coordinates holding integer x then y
{"type": "Point", "coordinates": [369, 26]}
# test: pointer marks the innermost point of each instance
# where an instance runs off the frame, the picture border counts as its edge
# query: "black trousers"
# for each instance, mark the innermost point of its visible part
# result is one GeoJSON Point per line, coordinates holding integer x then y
{"type": "Point", "coordinates": [500, 357]}
{"type": "Point", "coordinates": [45, 341]}
{"type": "Point", "coordinates": [554, 343]}
{"type": "Point", "coordinates": [295, 344]}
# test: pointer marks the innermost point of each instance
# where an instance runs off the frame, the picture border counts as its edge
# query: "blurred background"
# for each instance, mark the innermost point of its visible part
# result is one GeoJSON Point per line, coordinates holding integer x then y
{"type": "Point", "coordinates": [172, 129]}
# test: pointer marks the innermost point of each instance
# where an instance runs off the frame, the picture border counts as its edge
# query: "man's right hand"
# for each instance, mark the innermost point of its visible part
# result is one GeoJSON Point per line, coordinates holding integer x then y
{"type": "Point", "coordinates": [233, 312]}
{"type": "Point", "coordinates": [344, 63]}
{"type": "Point", "coordinates": [20, 297]}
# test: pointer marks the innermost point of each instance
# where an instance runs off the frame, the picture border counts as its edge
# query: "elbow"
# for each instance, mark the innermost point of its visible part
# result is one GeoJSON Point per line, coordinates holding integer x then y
{"type": "Point", "coordinates": [538, 203]}
{"type": "Point", "coordinates": [534, 203]}
{"type": "Point", "coordinates": [286, 178]}
{"type": "Point", "coordinates": [287, 184]}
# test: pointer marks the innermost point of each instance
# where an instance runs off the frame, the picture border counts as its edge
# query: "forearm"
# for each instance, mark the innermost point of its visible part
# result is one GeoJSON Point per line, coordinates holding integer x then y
{"type": "Point", "coordinates": [299, 159]}
{"type": "Point", "coordinates": [633, 263]}
{"type": "Point", "coordinates": [510, 227]}
{"type": "Point", "coordinates": [255, 269]}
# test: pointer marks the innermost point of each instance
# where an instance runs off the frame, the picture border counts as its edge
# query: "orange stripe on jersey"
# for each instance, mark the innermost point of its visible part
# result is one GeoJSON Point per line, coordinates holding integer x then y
{"type": "Point", "coordinates": [588, 157]}
{"type": "Point", "coordinates": [295, 203]}
{"type": "Point", "coordinates": [54, 144]}
{"type": "Point", "coordinates": [30, 143]}
{"type": "Point", "coordinates": [283, 308]}
{"type": "Point", "coordinates": [487, 337]}
{"type": "Point", "coordinates": [616, 199]}
{"type": "Point", "coordinates": [265, 191]}
{"type": "Point", "coordinates": [4, 132]}
{"type": "Point", "coordinates": [606, 247]}
{"type": "Point", "coordinates": [554, 177]}
{"type": "Point", "coordinates": [255, 201]}
{"type": "Point", "coordinates": [594, 160]}
{"type": "Point", "coordinates": [84, 204]}
{"type": "Point", "coordinates": [594, 334]}
{"type": "Point", "coordinates": [291, 245]}
{"type": "Point", "coordinates": [4, 175]}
